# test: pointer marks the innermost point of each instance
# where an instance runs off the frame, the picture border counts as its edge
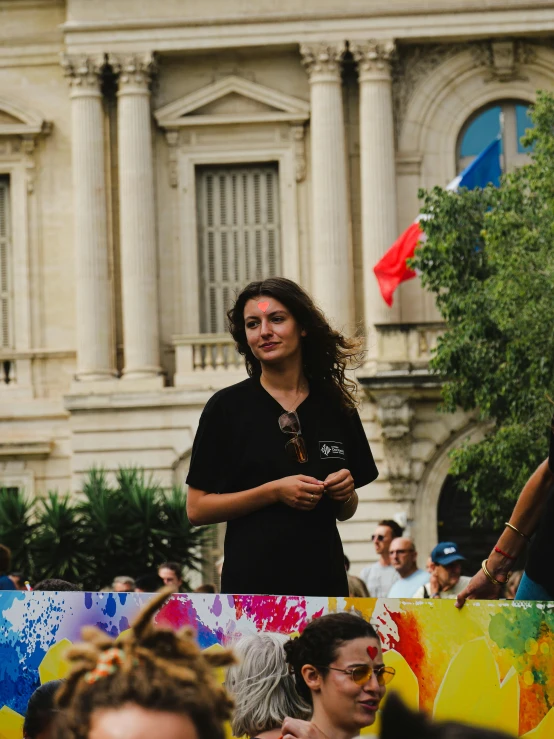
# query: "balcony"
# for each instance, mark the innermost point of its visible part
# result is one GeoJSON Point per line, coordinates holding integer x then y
{"type": "Point", "coordinates": [207, 361]}
{"type": "Point", "coordinates": [398, 357]}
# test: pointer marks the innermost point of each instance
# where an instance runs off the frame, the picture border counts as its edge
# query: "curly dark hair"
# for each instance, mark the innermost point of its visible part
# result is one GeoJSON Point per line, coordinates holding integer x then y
{"type": "Point", "coordinates": [318, 644]}
{"type": "Point", "coordinates": [326, 353]}
{"type": "Point", "coordinates": [160, 670]}
{"type": "Point", "coordinates": [41, 709]}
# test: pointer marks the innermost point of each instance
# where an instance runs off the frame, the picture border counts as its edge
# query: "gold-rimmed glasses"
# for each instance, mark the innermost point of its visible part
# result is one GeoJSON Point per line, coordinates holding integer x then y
{"type": "Point", "coordinates": [289, 423]}
{"type": "Point", "coordinates": [362, 673]}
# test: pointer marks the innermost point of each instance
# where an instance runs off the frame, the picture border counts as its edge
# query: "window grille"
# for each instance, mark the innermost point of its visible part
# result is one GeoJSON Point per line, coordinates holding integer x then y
{"type": "Point", "coordinates": [238, 235]}
{"type": "Point", "coordinates": [6, 338]}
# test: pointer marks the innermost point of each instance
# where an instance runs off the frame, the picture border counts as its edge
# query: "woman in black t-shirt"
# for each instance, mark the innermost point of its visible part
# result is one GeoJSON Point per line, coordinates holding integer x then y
{"type": "Point", "coordinates": [278, 456]}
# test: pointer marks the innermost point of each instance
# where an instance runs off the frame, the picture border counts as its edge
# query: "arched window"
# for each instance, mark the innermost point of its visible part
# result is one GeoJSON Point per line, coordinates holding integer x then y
{"type": "Point", "coordinates": [509, 117]}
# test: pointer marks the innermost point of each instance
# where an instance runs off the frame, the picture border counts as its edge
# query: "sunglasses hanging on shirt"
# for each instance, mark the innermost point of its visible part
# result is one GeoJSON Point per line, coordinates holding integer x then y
{"type": "Point", "coordinates": [289, 423]}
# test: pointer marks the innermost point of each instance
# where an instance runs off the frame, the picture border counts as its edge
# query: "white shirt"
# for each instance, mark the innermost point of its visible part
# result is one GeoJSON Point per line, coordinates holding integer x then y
{"type": "Point", "coordinates": [379, 579]}
{"type": "Point", "coordinates": [452, 593]}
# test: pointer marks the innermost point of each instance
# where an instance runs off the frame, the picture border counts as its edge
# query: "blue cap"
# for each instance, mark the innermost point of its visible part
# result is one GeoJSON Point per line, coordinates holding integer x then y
{"type": "Point", "coordinates": [445, 553]}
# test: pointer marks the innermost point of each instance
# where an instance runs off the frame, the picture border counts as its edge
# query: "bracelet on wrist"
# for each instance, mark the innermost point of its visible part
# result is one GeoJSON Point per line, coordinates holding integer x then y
{"type": "Point", "coordinates": [514, 528]}
{"type": "Point", "coordinates": [491, 577]}
{"type": "Point", "coordinates": [504, 554]}
{"type": "Point", "coordinates": [347, 501]}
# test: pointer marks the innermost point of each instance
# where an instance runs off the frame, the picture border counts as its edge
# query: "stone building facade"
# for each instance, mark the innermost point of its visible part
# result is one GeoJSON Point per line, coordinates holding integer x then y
{"type": "Point", "coordinates": [155, 156]}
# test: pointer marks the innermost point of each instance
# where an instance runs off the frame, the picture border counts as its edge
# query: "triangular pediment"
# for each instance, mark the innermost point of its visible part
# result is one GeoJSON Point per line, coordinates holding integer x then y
{"type": "Point", "coordinates": [232, 99]}
{"type": "Point", "coordinates": [15, 120]}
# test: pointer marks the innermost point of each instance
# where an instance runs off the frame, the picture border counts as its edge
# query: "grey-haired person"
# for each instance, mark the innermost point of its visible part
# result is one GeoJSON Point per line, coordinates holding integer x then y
{"type": "Point", "coordinates": [263, 688]}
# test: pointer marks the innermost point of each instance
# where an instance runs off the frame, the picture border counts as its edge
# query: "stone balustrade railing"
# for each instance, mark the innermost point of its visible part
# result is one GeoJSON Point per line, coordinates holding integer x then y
{"type": "Point", "coordinates": [206, 359]}
{"type": "Point", "coordinates": [405, 346]}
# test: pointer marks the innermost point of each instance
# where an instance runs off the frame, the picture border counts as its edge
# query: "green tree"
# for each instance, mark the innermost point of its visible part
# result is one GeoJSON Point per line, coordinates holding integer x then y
{"type": "Point", "coordinates": [125, 528]}
{"type": "Point", "coordinates": [489, 260]}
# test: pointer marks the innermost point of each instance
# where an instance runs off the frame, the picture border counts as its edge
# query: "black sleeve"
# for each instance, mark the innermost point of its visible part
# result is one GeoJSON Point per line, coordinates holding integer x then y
{"type": "Point", "coordinates": [209, 464]}
{"type": "Point", "coordinates": [360, 459]}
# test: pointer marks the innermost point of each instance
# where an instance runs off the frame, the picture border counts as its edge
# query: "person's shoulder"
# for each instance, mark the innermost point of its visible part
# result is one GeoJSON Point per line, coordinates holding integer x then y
{"type": "Point", "coordinates": [231, 394]}
{"type": "Point", "coordinates": [6, 583]}
{"type": "Point", "coordinates": [420, 592]}
{"type": "Point", "coordinates": [422, 575]}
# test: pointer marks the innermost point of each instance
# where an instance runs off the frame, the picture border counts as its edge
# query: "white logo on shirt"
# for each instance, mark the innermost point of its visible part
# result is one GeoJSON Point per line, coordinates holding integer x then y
{"type": "Point", "coordinates": [331, 450]}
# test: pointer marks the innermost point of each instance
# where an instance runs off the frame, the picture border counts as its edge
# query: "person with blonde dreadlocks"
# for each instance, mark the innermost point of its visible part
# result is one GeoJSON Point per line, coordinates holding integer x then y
{"type": "Point", "coordinates": [154, 682]}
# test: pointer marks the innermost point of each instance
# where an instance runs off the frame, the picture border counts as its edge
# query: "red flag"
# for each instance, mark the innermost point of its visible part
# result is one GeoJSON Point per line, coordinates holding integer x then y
{"type": "Point", "coordinates": [391, 269]}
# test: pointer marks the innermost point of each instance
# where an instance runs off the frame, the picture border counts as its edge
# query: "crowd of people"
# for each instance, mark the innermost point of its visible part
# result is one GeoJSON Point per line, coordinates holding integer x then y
{"type": "Point", "coordinates": [278, 458]}
{"type": "Point", "coordinates": [327, 683]}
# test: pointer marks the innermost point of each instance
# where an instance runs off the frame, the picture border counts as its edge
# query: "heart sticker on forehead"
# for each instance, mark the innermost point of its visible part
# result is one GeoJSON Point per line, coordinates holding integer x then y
{"type": "Point", "coordinates": [263, 306]}
{"type": "Point", "coordinates": [373, 652]}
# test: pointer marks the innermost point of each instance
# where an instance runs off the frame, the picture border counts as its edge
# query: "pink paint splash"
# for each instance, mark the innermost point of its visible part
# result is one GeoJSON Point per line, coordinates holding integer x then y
{"type": "Point", "coordinates": [177, 612]}
{"type": "Point", "coordinates": [273, 613]}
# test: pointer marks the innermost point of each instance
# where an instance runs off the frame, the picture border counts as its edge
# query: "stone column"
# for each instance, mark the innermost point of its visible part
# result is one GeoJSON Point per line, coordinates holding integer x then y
{"type": "Point", "coordinates": [94, 319]}
{"type": "Point", "coordinates": [378, 172]}
{"type": "Point", "coordinates": [139, 273]}
{"type": "Point", "coordinates": [331, 251]}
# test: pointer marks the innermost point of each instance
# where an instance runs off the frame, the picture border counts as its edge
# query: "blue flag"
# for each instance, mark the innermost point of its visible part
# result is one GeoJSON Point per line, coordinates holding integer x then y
{"type": "Point", "coordinates": [483, 170]}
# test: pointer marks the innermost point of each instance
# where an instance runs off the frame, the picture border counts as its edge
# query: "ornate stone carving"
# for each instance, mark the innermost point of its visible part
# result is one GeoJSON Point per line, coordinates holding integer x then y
{"type": "Point", "coordinates": [299, 152]}
{"type": "Point", "coordinates": [322, 58]}
{"type": "Point", "coordinates": [373, 56]}
{"type": "Point", "coordinates": [28, 148]}
{"type": "Point", "coordinates": [134, 70]}
{"type": "Point", "coordinates": [395, 415]}
{"type": "Point", "coordinates": [411, 64]}
{"type": "Point", "coordinates": [172, 138]}
{"type": "Point", "coordinates": [503, 59]}
{"type": "Point", "coordinates": [83, 72]}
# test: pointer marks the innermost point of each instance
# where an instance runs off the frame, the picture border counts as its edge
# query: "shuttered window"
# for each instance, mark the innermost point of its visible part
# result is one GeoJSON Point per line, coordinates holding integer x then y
{"type": "Point", "coordinates": [5, 281]}
{"type": "Point", "coordinates": [238, 234]}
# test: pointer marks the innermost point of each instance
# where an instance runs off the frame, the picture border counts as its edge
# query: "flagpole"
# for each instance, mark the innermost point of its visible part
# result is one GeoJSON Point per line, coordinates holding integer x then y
{"type": "Point", "coordinates": [503, 143]}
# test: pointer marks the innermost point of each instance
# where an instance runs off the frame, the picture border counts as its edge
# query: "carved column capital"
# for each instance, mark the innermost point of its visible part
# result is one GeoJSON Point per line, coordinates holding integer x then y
{"type": "Point", "coordinates": [373, 58]}
{"type": "Point", "coordinates": [84, 73]}
{"type": "Point", "coordinates": [322, 59]}
{"type": "Point", "coordinates": [135, 71]}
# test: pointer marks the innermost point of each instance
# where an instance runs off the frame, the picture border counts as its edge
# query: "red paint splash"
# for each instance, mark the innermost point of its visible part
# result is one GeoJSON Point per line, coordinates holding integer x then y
{"type": "Point", "coordinates": [177, 613]}
{"type": "Point", "coordinates": [410, 646]}
{"type": "Point", "coordinates": [273, 613]}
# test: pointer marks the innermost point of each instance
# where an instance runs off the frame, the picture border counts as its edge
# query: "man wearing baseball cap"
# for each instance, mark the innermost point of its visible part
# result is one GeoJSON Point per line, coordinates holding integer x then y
{"type": "Point", "coordinates": [446, 579]}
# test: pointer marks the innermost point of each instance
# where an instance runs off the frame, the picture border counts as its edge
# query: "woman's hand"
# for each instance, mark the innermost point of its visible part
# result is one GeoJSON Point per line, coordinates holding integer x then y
{"type": "Point", "coordinates": [339, 485]}
{"type": "Point", "coordinates": [295, 728]}
{"type": "Point", "coordinates": [478, 588]}
{"type": "Point", "coordinates": [299, 491]}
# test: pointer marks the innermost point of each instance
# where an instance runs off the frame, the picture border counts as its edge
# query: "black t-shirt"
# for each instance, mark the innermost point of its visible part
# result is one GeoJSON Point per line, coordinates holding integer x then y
{"type": "Point", "coordinates": [278, 550]}
{"type": "Point", "coordinates": [539, 560]}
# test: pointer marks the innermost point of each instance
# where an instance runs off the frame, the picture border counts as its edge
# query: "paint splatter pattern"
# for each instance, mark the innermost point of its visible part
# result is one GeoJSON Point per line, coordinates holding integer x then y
{"type": "Point", "coordinates": [490, 664]}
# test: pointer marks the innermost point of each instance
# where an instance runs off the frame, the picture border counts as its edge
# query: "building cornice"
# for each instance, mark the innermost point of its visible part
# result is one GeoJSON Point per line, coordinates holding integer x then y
{"type": "Point", "coordinates": [411, 21]}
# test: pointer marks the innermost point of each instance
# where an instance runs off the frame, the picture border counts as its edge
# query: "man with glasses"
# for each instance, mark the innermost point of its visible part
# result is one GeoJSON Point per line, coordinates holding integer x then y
{"type": "Point", "coordinates": [380, 576]}
{"type": "Point", "coordinates": [403, 557]}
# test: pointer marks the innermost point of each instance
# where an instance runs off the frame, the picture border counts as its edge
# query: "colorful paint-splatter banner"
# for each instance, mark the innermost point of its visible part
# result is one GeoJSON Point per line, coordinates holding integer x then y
{"type": "Point", "coordinates": [489, 664]}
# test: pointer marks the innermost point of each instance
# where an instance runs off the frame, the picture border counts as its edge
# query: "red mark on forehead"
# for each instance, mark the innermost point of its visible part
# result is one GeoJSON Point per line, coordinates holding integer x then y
{"type": "Point", "coordinates": [373, 652]}
{"type": "Point", "coordinates": [263, 306]}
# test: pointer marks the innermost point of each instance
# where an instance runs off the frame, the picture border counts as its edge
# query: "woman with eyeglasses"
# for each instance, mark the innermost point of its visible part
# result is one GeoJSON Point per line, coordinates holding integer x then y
{"type": "Point", "coordinates": [279, 456]}
{"type": "Point", "coordinates": [338, 669]}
